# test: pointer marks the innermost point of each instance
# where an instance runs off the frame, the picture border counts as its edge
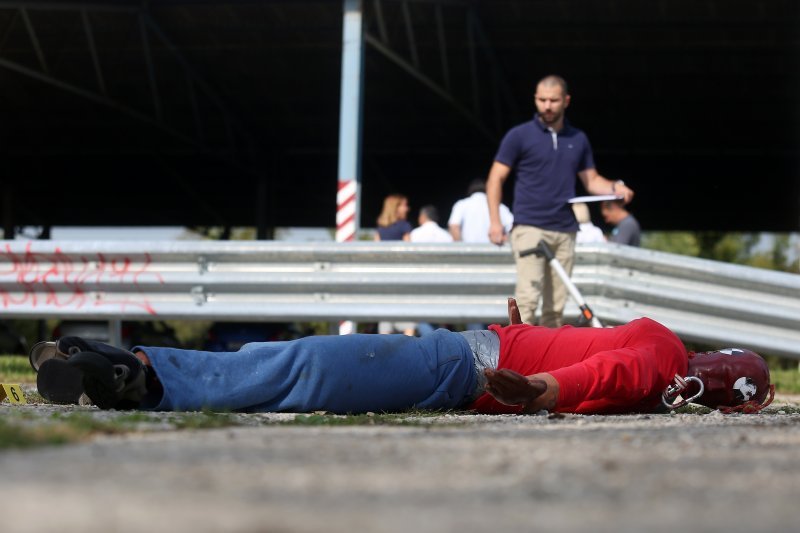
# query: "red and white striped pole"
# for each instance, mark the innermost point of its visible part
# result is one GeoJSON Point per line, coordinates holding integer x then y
{"type": "Point", "coordinates": [348, 193]}
{"type": "Point", "coordinates": [346, 202]}
{"type": "Point", "coordinates": [346, 224]}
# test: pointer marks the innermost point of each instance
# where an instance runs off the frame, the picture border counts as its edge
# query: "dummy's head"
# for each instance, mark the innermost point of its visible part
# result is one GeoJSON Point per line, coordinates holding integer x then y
{"type": "Point", "coordinates": [731, 378]}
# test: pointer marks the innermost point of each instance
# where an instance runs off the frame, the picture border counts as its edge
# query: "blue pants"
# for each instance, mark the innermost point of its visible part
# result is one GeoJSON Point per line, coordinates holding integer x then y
{"type": "Point", "coordinates": [341, 374]}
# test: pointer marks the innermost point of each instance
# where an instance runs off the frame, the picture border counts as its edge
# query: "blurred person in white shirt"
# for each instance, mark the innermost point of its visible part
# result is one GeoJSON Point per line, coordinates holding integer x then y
{"type": "Point", "coordinates": [469, 219]}
{"type": "Point", "coordinates": [587, 231]}
{"type": "Point", "coordinates": [429, 229]}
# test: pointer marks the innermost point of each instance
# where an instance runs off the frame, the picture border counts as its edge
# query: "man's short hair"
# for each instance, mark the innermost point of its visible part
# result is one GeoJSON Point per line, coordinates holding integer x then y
{"type": "Point", "coordinates": [555, 79]}
{"type": "Point", "coordinates": [430, 211]}
{"type": "Point", "coordinates": [609, 204]}
{"type": "Point", "coordinates": [476, 185]}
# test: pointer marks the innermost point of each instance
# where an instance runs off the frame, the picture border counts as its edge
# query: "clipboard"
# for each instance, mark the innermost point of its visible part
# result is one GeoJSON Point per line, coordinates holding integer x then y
{"type": "Point", "coordinates": [594, 198]}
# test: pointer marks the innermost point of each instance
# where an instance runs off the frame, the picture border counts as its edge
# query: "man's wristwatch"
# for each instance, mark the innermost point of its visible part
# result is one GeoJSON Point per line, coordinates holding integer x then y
{"type": "Point", "coordinates": [614, 185]}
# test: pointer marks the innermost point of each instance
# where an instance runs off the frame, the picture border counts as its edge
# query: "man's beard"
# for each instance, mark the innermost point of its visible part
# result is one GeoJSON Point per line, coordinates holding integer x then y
{"type": "Point", "coordinates": [551, 119]}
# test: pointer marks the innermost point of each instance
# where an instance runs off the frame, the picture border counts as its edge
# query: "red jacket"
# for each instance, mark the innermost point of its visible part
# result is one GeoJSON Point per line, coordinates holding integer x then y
{"type": "Point", "coordinates": [612, 370]}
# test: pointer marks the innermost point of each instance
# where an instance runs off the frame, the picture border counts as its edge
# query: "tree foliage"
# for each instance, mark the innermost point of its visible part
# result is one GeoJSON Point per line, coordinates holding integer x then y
{"type": "Point", "coordinates": [740, 248]}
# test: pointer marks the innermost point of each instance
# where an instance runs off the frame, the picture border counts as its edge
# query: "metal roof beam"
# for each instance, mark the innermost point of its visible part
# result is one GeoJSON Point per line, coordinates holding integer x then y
{"type": "Point", "coordinates": [412, 45]}
{"type": "Point", "coordinates": [432, 85]}
{"type": "Point", "coordinates": [37, 47]}
{"type": "Point", "coordinates": [442, 47]}
{"type": "Point", "coordinates": [412, 64]}
{"type": "Point", "coordinates": [148, 28]}
{"type": "Point", "coordinates": [68, 6]}
{"type": "Point", "coordinates": [87, 27]}
{"type": "Point", "coordinates": [151, 73]}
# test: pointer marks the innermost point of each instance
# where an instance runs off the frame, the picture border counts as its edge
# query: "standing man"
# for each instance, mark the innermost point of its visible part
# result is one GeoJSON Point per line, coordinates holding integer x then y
{"type": "Point", "coordinates": [626, 227]}
{"type": "Point", "coordinates": [547, 154]}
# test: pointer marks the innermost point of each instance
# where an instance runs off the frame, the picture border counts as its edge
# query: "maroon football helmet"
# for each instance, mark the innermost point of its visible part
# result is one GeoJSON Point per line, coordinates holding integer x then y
{"type": "Point", "coordinates": [732, 379]}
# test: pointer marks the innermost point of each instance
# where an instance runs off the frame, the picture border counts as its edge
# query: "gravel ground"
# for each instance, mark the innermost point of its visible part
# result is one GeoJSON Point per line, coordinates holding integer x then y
{"type": "Point", "coordinates": [679, 472]}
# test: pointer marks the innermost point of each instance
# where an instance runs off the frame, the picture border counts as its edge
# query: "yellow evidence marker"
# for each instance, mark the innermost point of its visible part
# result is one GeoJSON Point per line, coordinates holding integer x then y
{"type": "Point", "coordinates": [13, 392]}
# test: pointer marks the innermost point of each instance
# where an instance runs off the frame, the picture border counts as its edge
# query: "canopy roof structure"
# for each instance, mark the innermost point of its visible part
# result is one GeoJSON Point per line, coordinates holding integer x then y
{"type": "Point", "coordinates": [215, 112]}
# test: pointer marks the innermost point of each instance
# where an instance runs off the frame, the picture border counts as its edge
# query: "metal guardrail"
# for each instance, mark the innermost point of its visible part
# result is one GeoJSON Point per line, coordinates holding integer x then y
{"type": "Point", "coordinates": [703, 301]}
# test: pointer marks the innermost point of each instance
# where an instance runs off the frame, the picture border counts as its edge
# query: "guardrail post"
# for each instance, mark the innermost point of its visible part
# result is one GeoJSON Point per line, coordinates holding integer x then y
{"type": "Point", "coordinates": [115, 333]}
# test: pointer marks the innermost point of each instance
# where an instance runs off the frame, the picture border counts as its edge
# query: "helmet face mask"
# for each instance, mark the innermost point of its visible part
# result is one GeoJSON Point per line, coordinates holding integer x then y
{"type": "Point", "coordinates": [731, 378]}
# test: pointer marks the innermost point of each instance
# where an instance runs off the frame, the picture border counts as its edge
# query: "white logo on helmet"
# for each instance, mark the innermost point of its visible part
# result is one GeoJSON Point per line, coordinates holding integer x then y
{"type": "Point", "coordinates": [732, 351]}
{"type": "Point", "coordinates": [744, 389]}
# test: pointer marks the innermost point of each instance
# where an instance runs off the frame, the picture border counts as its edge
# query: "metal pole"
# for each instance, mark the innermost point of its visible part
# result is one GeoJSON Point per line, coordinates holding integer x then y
{"type": "Point", "coordinates": [87, 26]}
{"type": "Point", "coordinates": [349, 190]}
{"type": "Point", "coordinates": [151, 71]}
{"type": "Point", "coordinates": [412, 46]}
{"type": "Point", "coordinates": [350, 123]}
{"type": "Point", "coordinates": [442, 47]}
{"type": "Point", "coordinates": [34, 40]}
{"type": "Point", "coordinates": [115, 333]}
{"type": "Point", "coordinates": [8, 210]}
{"type": "Point", "coordinates": [543, 250]}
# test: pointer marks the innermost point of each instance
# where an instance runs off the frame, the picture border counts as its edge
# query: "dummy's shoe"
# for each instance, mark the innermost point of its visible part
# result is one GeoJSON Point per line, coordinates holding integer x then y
{"type": "Point", "coordinates": [64, 383]}
{"type": "Point", "coordinates": [65, 347]}
{"type": "Point", "coordinates": [58, 382]}
{"type": "Point", "coordinates": [41, 352]}
{"type": "Point", "coordinates": [70, 346]}
{"type": "Point", "coordinates": [65, 386]}
{"type": "Point", "coordinates": [113, 380]}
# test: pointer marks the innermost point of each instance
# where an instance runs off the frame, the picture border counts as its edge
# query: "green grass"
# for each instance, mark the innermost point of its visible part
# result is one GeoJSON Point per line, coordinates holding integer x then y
{"type": "Point", "coordinates": [204, 420]}
{"type": "Point", "coordinates": [693, 409]}
{"type": "Point", "coordinates": [408, 418]}
{"type": "Point", "coordinates": [787, 381]}
{"type": "Point", "coordinates": [27, 429]}
{"type": "Point", "coordinates": [24, 429]}
{"type": "Point", "coordinates": [349, 420]}
{"type": "Point", "coordinates": [16, 369]}
{"type": "Point", "coordinates": [14, 436]}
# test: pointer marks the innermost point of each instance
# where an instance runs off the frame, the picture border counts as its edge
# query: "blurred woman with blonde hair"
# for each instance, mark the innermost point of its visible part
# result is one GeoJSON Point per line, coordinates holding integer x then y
{"type": "Point", "coordinates": [392, 223]}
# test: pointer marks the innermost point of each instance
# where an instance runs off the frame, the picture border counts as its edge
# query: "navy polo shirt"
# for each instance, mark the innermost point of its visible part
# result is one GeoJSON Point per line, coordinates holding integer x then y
{"type": "Point", "coordinates": [546, 166]}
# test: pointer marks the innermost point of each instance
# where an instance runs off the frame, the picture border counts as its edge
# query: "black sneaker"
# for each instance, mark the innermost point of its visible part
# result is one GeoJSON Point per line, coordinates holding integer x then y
{"type": "Point", "coordinates": [111, 381]}
{"type": "Point", "coordinates": [70, 346]}
{"type": "Point", "coordinates": [64, 386]}
{"type": "Point", "coordinates": [58, 382]}
{"type": "Point", "coordinates": [114, 379]}
{"type": "Point", "coordinates": [64, 383]}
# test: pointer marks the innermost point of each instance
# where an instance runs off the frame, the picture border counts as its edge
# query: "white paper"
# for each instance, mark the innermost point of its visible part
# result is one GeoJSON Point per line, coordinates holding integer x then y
{"type": "Point", "coordinates": [597, 198]}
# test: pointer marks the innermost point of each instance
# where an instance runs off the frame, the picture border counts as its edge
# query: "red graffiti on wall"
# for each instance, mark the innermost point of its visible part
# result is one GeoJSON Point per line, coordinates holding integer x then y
{"type": "Point", "coordinates": [56, 279]}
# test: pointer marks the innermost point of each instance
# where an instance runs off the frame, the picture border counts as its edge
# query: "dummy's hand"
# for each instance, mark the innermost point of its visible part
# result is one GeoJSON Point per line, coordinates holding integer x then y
{"type": "Point", "coordinates": [512, 388]}
{"type": "Point", "coordinates": [513, 312]}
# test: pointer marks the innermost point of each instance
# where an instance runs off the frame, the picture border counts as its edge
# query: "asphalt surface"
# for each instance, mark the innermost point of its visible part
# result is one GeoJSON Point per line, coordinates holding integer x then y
{"type": "Point", "coordinates": [672, 472]}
